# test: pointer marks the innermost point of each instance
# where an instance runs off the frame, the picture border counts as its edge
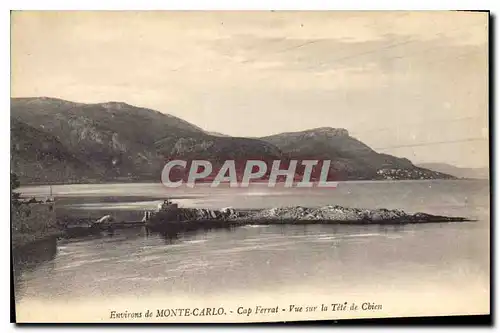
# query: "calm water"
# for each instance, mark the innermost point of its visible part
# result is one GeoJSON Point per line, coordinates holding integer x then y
{"type": "Point", "coordinates": [440, 263]}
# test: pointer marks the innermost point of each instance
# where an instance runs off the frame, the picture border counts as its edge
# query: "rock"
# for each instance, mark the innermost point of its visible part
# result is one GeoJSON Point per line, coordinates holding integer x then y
{"type": "Point", "coordinates": [325, 214]}
{"type": "Point", "coordinates": [343, 214]}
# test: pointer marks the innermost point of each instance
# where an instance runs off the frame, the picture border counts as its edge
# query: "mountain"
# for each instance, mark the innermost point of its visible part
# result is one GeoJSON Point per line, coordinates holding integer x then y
{"type": "Point", "coordinates": [54, 141]}
{"type": "Point", "coordinates": [38, 157]}
{"type": "Point", "coordinates": [119, 141]}
{"type": "Point", "coordinates": [470, 173]}
{"type": "Point", "coordinates": [351, 159]}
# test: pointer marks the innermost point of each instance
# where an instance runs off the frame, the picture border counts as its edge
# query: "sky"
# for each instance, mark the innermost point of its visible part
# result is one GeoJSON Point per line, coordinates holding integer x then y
{"type": "Point", "coordinates": [410, 84]}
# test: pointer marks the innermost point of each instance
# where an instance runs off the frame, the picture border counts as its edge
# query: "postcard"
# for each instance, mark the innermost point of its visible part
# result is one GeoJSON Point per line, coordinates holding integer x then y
{"type": "Point", "coordinates": [249, 166]}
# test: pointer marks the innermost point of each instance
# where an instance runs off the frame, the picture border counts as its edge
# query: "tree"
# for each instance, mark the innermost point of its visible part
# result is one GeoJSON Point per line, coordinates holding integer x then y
{"type": "Point", "coordinates": [14, 183]}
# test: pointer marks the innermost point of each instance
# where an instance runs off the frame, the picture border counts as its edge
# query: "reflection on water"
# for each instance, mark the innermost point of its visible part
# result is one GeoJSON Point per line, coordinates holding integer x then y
{"type": "Point", "coordinates": [264, 259]}
{"type": "Point", "coordinates": [28, 258]}
{"type": "Point", "coordinates": [279, 259]}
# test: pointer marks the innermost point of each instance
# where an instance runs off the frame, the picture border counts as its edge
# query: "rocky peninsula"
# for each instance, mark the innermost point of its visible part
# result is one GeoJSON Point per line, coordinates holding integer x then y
{"type": "Point", "coordinates": [180, 219]}
{"type": "Point", "coordinates": [339, 214]}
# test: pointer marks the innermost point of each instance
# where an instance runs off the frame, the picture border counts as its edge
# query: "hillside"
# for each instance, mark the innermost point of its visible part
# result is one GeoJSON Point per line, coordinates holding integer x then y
{"type": "Point", "coordinates": [61, 141]}
{"type": "Point", "coordinates": [38, 157]}
{"type": "Point", "coordinates": [351, 158]}
{"type": "Point", "coordinates": [120, 141]}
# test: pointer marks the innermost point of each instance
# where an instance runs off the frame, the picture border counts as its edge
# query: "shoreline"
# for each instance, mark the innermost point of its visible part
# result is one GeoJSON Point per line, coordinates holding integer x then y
{"type": "Point", "coordinates": [206, 184]}
{"type": "Point", "coordinates": [21, 240]}
{"type": "Point", "coordinates": [175, 220]}
{"type": "Point", "coordinates": [196, 225]}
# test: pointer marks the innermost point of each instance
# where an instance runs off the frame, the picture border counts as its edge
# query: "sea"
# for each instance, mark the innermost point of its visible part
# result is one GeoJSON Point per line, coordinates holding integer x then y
{"type": "Point", "coordinates": [374, 270]}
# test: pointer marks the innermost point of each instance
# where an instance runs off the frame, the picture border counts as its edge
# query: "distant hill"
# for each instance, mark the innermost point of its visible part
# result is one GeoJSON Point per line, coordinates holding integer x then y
{"type": "Point", "coordinates": [351, 158]}
{"type": "Point", "coordinates": [217, 134]}
{"type": "Point", "coordinates": [471, 173]}
{"type": "Point", "coordinates": [54, 140]}
{"type": "Point", "coordinates": [119, 141]}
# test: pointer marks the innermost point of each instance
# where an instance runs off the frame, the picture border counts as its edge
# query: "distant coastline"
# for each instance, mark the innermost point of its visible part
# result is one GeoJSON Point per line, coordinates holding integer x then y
{"type": "Point", "coordinates": [360, 181]}
{"type": "Point", "coordinates": [53, 140]}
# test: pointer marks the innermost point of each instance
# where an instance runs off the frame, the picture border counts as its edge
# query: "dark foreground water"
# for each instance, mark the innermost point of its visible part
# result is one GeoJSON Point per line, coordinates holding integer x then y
{"type": "Point", "coordinates": [410, 270]}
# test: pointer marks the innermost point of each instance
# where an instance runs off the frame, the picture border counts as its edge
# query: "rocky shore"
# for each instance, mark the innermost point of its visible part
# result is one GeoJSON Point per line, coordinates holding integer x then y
{"type": "Point", "coordinates": [202, 218]}
{"type": "Point", "coordinates": [175, 219]}
{"type": "Point", "coordinates": [33, 222]}
{"type": "Point", "coordinates": [339, 214]}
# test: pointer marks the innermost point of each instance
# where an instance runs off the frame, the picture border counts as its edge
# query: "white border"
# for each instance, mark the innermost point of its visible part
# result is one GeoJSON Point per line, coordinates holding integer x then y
{"type": "Point", "coordinates": [247, 5]}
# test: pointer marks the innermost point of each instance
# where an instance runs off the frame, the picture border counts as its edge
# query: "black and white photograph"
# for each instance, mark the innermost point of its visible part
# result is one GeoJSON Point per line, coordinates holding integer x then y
{"type": "Point", "coordinates": [249, 166]}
